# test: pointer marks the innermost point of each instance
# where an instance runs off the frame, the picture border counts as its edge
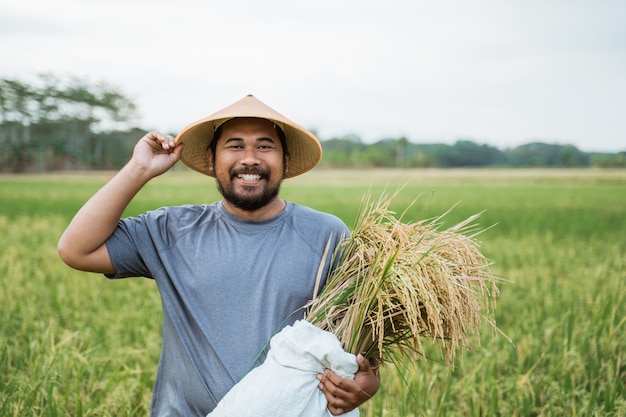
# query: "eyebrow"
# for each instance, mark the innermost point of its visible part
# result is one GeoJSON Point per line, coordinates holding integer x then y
{"type": "Point", "coordinates": [259, 139]}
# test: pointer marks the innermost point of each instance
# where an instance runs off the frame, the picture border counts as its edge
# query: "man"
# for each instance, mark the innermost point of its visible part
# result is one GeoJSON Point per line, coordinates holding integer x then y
{"type": "Point", "coordinates": [231, 273]}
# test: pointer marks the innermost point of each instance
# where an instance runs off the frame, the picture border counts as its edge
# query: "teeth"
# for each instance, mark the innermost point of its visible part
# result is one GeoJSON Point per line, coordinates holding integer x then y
{"type": "Point", "coordinates": [249, 177]}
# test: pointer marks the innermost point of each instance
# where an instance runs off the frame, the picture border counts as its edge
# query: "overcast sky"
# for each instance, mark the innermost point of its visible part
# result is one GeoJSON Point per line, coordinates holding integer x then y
{"type": "Point", "coordinates": [501, 72]}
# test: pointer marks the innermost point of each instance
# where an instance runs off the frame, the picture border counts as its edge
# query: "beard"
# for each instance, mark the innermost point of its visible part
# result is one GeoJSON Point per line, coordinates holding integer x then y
{"type": "Point", "coordinates": [249, 199]}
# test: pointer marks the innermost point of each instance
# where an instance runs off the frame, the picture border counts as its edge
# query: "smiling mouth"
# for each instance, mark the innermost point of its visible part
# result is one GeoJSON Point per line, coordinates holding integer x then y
{"type": "Point", "coordinates": [249, 177]}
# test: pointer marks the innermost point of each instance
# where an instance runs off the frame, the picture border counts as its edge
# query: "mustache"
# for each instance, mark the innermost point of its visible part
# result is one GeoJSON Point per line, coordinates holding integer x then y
{"type": "Point", "coordinates": [250, 171]}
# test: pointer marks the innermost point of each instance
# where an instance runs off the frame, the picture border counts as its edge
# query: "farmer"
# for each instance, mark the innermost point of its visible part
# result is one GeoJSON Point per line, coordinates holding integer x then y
{"type": "Point", "coordinates": [231, 273]}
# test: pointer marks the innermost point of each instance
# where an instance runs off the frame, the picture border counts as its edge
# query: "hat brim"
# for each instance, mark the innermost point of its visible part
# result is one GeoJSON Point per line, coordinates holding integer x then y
{"type": "Point", "coordinates": [305, 150]}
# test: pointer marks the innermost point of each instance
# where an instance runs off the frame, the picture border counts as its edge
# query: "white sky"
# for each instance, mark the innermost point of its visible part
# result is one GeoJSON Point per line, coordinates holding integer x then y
{"type": "Point", "coordinates": [502, 72]}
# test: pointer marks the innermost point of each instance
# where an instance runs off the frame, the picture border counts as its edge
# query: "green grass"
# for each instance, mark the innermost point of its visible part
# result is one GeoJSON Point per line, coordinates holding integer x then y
{"type": "Point", "coordinates": [76, 344]}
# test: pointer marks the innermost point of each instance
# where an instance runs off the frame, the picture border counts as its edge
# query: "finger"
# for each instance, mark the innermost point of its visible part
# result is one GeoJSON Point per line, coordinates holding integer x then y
{"type": "Point", "coordinates": [367, 377]}
{"type": "Point", "coordinates": [330, 390]}
{"type": "Point", "coordinates": [336, 406]}
{"type": "Point", "coordinates": [178, 150]}
{"type": "Point", "coordinates": [364, 364]}
{"type": "Point", "coordinates": [336, 411]}
{"type": "Point", "coordinates": [333, 378]}
{"type": "Point", "coordinates": [341, 394]}
{"type": "Point", "coordinates": [326, 385]}
{"type": "Point", "coordinates": [167, 142]}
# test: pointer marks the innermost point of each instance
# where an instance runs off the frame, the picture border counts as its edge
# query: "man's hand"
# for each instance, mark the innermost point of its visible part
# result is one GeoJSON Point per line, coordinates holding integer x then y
{"type": "Point", "coordinates": [344, 395]}
{"type": "Point", "coordinates": [155, 153]}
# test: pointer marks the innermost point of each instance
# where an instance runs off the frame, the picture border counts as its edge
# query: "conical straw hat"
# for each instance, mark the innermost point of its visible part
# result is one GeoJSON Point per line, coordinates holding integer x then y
{"type": "Point", "coordinates": [305, 150]}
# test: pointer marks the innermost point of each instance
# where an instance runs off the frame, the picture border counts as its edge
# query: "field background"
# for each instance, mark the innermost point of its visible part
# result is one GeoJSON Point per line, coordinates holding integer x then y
{"type": "Point", "coordinates": [76, 344]}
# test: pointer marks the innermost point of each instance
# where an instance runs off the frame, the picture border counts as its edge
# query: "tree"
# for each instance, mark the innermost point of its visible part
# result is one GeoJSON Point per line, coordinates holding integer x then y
{"type": "Point", "coordinates": [466, 153]}
{"type": "Point", "coordinates": [342, 152]}
{"type": "Point", "coordinates": [53, 122]}
{"type": "Point", "coordinates": [547, 155]}
{"type": "Point", "coordinates": [401, 146]}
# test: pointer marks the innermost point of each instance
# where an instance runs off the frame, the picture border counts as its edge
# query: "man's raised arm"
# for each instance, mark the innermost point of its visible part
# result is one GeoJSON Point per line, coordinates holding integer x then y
{"type": "Point", "coordinates": [82, 245]}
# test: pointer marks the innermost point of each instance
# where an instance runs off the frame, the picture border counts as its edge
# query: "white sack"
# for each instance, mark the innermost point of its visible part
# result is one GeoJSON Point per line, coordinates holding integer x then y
{"type": "Point", "coordinates": [285, 385]}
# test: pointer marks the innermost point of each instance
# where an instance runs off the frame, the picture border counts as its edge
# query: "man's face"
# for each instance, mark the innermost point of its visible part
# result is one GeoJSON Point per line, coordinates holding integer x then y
{"type": "Point", "coordinates": [248, 163]}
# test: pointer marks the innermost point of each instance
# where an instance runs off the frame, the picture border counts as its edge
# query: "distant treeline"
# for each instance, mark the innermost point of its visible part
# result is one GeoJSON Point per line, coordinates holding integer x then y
{"type": "Point", "coordinates": [401, 153]}
{"type": "Point", "coordinates": [61, 124]}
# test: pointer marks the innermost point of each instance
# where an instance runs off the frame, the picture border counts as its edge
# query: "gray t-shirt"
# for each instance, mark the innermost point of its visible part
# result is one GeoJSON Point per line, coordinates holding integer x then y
{"type": "Point", "coordinates": [227, 285]}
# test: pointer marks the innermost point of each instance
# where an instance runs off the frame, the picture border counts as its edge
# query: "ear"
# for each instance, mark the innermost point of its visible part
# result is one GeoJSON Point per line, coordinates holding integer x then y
{"type": "Point", "coordinates": [209, 156]}
{"type": "Point", "coordinates": [285, 163]}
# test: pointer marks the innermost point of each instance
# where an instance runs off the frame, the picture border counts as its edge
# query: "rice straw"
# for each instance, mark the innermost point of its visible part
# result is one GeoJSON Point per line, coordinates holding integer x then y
{"type": "Point", "coordinates": [396, 285]}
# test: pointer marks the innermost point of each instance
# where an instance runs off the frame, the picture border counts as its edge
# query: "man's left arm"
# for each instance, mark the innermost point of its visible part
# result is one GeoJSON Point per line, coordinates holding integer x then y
{"type": "Point", "coordinates": [345, 395]}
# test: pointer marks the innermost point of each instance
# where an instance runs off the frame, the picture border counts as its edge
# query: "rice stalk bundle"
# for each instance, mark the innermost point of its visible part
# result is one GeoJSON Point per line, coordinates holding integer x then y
{"type": "Point", "coordinates": [396, 285]}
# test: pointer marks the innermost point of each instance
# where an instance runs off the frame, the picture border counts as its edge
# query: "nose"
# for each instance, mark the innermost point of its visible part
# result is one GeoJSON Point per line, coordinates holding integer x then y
{"type": "Point", "coordinates": [249, 157]}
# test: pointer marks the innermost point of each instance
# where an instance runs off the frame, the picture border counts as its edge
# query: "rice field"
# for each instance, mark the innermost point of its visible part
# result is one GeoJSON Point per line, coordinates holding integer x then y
{"type": "Point", "coordinates": [76, 344]}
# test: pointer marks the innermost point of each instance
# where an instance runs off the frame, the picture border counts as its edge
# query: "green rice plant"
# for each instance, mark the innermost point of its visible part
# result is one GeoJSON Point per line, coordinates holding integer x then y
{"type": "Point", "coordinates": [65, 349]}
{"type": "Point", "coordinates": [75, 344]}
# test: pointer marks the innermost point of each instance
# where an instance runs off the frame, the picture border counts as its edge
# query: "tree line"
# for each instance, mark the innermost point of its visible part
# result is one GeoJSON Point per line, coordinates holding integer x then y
{"type": "Point", "coordinates": [401, 153]}
{"type": "Point", "coordinates": [51, 124]}
{"type": "Point", "coordinates": [55, 124]}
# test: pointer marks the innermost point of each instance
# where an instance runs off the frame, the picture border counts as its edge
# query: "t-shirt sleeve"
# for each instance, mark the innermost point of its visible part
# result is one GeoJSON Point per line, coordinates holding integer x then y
{"type": "Point", "coordinates": [128, 247]}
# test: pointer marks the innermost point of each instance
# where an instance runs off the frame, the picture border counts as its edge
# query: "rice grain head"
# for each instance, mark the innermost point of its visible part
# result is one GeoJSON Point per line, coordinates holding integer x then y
{"type": "Point", "coordinates": [396, 285]}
